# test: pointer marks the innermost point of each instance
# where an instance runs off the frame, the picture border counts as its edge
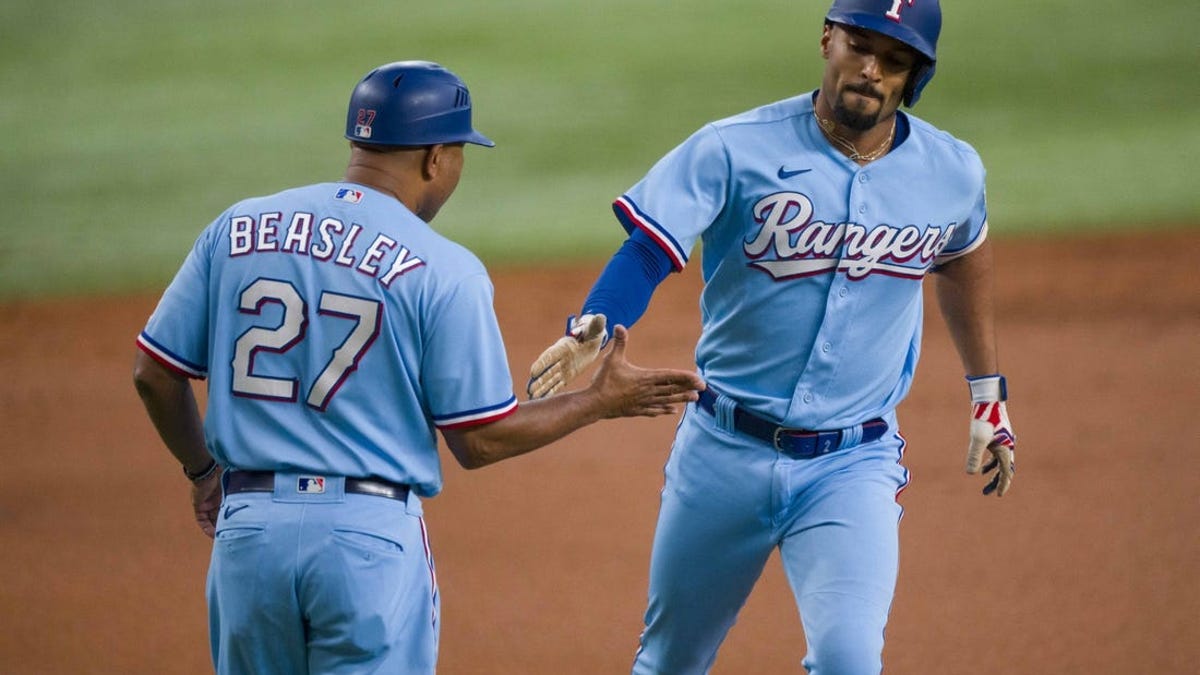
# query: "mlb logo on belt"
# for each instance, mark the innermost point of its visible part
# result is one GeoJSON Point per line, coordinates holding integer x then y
{"type": "Point", "coordinates": [310, 485]}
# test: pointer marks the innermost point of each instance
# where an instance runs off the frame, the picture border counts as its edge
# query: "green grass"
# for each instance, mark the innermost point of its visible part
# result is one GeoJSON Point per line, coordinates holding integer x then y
{"type": "Point", "coordinates": [127, 126]}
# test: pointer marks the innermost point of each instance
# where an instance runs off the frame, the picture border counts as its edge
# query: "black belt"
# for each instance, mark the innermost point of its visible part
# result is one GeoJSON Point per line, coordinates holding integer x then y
{"type": "Point", "coordinates": [798, 443]}
{"type": "Point", "coordinates": [264, 481]}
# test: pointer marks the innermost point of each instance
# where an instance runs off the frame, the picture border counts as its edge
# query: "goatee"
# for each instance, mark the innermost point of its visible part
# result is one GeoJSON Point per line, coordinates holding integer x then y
{"type": "Point", "coordinates": [854, 119]}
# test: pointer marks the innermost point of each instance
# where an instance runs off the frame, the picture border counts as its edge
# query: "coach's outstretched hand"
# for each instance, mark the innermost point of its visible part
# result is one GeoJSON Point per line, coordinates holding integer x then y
{"type": "Point", "coordinates": [628, 390]}
{"type": "Point", "coordinates": [617, 389]}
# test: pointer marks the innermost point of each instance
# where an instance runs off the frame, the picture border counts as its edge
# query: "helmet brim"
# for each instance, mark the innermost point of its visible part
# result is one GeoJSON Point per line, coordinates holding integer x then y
{"type": "Point", "coordinates": [479, 139]}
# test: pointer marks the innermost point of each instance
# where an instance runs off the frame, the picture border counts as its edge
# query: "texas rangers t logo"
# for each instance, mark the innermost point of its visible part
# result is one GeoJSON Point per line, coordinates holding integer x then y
{"type": "Point", "coordinates": [897, 5]}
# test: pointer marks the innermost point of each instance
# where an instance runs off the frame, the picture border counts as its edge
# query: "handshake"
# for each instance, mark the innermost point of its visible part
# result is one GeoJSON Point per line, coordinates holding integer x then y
{"type": "Point", "coordinates": [634, 390]}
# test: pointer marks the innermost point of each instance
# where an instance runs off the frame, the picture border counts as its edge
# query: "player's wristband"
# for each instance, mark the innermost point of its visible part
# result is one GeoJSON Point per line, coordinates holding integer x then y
{"type": "Point", "coordinates": [986, 388]}
{"type": "Point", "coordinates": [573, 320]}
{"type": "Point", "coordinates": [207, 471]}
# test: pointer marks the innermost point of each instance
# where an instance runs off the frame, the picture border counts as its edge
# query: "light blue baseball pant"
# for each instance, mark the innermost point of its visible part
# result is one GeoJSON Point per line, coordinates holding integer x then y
{"type": "Point", "coordinates": [321, 583]}
{"type": "Point", "coordinates": [728, 502]}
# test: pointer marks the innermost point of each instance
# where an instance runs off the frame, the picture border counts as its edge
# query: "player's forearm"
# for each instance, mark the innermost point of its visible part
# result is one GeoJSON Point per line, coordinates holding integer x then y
{"type": "Point", "coordinates": [623, 290]}
{"type": "Point", "coordinates": [964, 293]}
{"type": "Point", "coordinates": [172, 408]}
{"type": "Point", "coordinates": [533, 425]}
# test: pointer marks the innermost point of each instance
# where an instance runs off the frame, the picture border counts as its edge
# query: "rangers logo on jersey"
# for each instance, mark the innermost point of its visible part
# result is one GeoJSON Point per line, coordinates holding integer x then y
{"type": "Point", "coordinates": [805, 247]}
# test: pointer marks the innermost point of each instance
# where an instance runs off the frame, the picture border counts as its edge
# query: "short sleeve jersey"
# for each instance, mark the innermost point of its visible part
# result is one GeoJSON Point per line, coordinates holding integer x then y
{"type": "Point", "coordinates": [811, 310]}
{"type": "Point", "coordinates": [337, 331]}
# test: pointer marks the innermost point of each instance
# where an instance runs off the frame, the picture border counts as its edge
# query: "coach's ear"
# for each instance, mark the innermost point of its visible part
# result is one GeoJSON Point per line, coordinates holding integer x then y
{"type": "Point", "coordinates": [433, 161]}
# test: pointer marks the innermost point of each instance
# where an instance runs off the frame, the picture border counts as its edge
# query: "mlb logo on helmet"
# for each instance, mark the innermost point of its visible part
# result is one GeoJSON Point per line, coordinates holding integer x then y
{"type": "Point", "coordinates": [348, 195]}
{"type": "Point", "coordinates": [362, 122]}
{"type": "Point", "coordinates": [310, 485]}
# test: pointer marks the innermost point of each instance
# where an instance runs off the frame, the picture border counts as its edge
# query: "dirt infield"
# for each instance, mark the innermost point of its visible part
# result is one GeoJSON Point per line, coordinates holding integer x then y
{"type": "Point", "coordinates": [1090, 565]}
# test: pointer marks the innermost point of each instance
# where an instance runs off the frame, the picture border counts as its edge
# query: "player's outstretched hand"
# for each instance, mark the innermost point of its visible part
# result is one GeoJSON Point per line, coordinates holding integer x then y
{"type": "Point", "coordinates": [206, 502]}
{"type": "Point", "coordinates": [566, 358]}
{"type": "Point", "coordinates": [991, 434]}
{"type": "Point", "coordinates": [628, 390]}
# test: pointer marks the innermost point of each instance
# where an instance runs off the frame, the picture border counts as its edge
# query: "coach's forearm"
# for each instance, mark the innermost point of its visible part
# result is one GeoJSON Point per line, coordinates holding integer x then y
{"type": "Point", "coordinates": [172, 408]}
{"type": "Point", "coordinates": [533, 425]}
{"type": "Point", "coordinates": [964, 293]}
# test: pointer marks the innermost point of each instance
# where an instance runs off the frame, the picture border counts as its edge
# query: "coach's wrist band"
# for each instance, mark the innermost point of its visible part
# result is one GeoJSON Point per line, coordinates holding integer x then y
{"type": "Point", "coordinates": [204, 473]}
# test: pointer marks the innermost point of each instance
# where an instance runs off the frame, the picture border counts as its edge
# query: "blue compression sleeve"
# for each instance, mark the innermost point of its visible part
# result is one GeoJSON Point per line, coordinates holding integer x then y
{"type": "Point", "coordinates": [623, 290]}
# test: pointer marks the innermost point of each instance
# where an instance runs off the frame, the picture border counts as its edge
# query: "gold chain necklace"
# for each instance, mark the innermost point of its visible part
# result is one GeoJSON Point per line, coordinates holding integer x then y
{"type": "Point", "coordinates": [828, 127]}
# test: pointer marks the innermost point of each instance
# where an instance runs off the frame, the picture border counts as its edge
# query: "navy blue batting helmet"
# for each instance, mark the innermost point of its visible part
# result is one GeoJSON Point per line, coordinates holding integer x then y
{"type": "Point", "coordinates": [916, 23]}
{"type": "Point", "coordinates": [411, 103]}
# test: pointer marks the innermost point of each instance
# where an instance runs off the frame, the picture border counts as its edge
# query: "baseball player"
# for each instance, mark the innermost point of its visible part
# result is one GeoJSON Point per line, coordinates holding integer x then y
{"type": "Point", "coordinates": [338, 332]}
{"type": "Point", "coordinates": [820, 216]}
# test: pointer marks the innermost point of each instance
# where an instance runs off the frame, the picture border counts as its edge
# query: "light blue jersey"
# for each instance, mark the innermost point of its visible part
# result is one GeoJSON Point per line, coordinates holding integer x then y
{"type": "Point", "coordinates": [793, 230]}
{"type": "Point", "coordinates": [337, 331]}
{"type": "Point", "coordinates": [811, 318]}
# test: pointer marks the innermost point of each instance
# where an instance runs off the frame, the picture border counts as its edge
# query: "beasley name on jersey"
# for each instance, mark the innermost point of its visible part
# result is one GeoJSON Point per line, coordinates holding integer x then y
{"type": "Point", "coordinates": [321, 239]}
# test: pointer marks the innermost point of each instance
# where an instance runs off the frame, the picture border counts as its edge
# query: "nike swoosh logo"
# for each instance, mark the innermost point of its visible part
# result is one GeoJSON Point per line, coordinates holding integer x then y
{"type": "Point", "coordinates": [230, 510]}
{"type": "Point", "coordinates": [784, 174]}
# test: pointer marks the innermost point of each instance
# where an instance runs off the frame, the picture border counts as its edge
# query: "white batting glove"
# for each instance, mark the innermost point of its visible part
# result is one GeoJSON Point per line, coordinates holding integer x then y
{"type": "Point", "coordinates": [567, 357]}
{"type": "Point", "coordinates": [991, 432]}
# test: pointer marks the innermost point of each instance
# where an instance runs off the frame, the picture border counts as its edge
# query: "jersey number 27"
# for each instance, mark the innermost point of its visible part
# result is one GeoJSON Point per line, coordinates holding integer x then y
{"type": "Point", "coordinates": [291, 332]}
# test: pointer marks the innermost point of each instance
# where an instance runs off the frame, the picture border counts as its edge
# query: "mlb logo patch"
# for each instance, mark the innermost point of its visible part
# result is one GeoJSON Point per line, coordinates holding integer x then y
{"type": "Point", "coordinates": [312, 485]}
{"type": "Point", "coordinates": [348, 195]}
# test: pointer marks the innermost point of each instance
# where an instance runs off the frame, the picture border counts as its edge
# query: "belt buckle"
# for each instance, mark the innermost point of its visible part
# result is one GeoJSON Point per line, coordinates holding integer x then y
{"type": "Point", "coordinates": [804, 446]}
{"type": "Point", "coordinates": [807, 444]}
{"type": "Point", "coordinates": [775, 439]}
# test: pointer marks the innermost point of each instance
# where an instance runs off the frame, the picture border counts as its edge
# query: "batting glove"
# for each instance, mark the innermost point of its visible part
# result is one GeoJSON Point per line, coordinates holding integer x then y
{"type": "Point", "coordinates": [565, 359]}
{"type": "Point", "coordinates": [991, 432]}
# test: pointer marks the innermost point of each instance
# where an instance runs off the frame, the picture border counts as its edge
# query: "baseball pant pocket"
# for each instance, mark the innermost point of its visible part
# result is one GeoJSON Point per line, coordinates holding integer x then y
{"type": "Point", "coordinates": [254, 622]}
{"type": "Point", "coordinates": [369, 599]}
{"type": "Point", "coordinates": [368, 542]}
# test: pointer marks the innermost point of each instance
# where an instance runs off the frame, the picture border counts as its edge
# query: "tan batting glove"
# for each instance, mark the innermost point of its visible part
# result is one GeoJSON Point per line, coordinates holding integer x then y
{"type": "Point", "coordinates": [991, 432]}
{"type": "Point", "coordinates": [565, 359]}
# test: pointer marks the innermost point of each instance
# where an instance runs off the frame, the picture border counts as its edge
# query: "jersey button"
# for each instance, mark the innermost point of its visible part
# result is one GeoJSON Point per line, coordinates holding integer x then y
{"type": "Point", "coordinates": [843, 291]}
{"type": "Point", "coordinates": [808, 398]}
{"type": "Point", "coordinates": [826, 347]}
{"type": "Point", "coordinates": [862, 178]}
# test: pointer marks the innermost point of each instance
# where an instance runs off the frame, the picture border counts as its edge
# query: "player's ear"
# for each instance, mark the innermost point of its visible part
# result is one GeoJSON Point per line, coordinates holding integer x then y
{"type": "Point", "coordinates": [825, 37]}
